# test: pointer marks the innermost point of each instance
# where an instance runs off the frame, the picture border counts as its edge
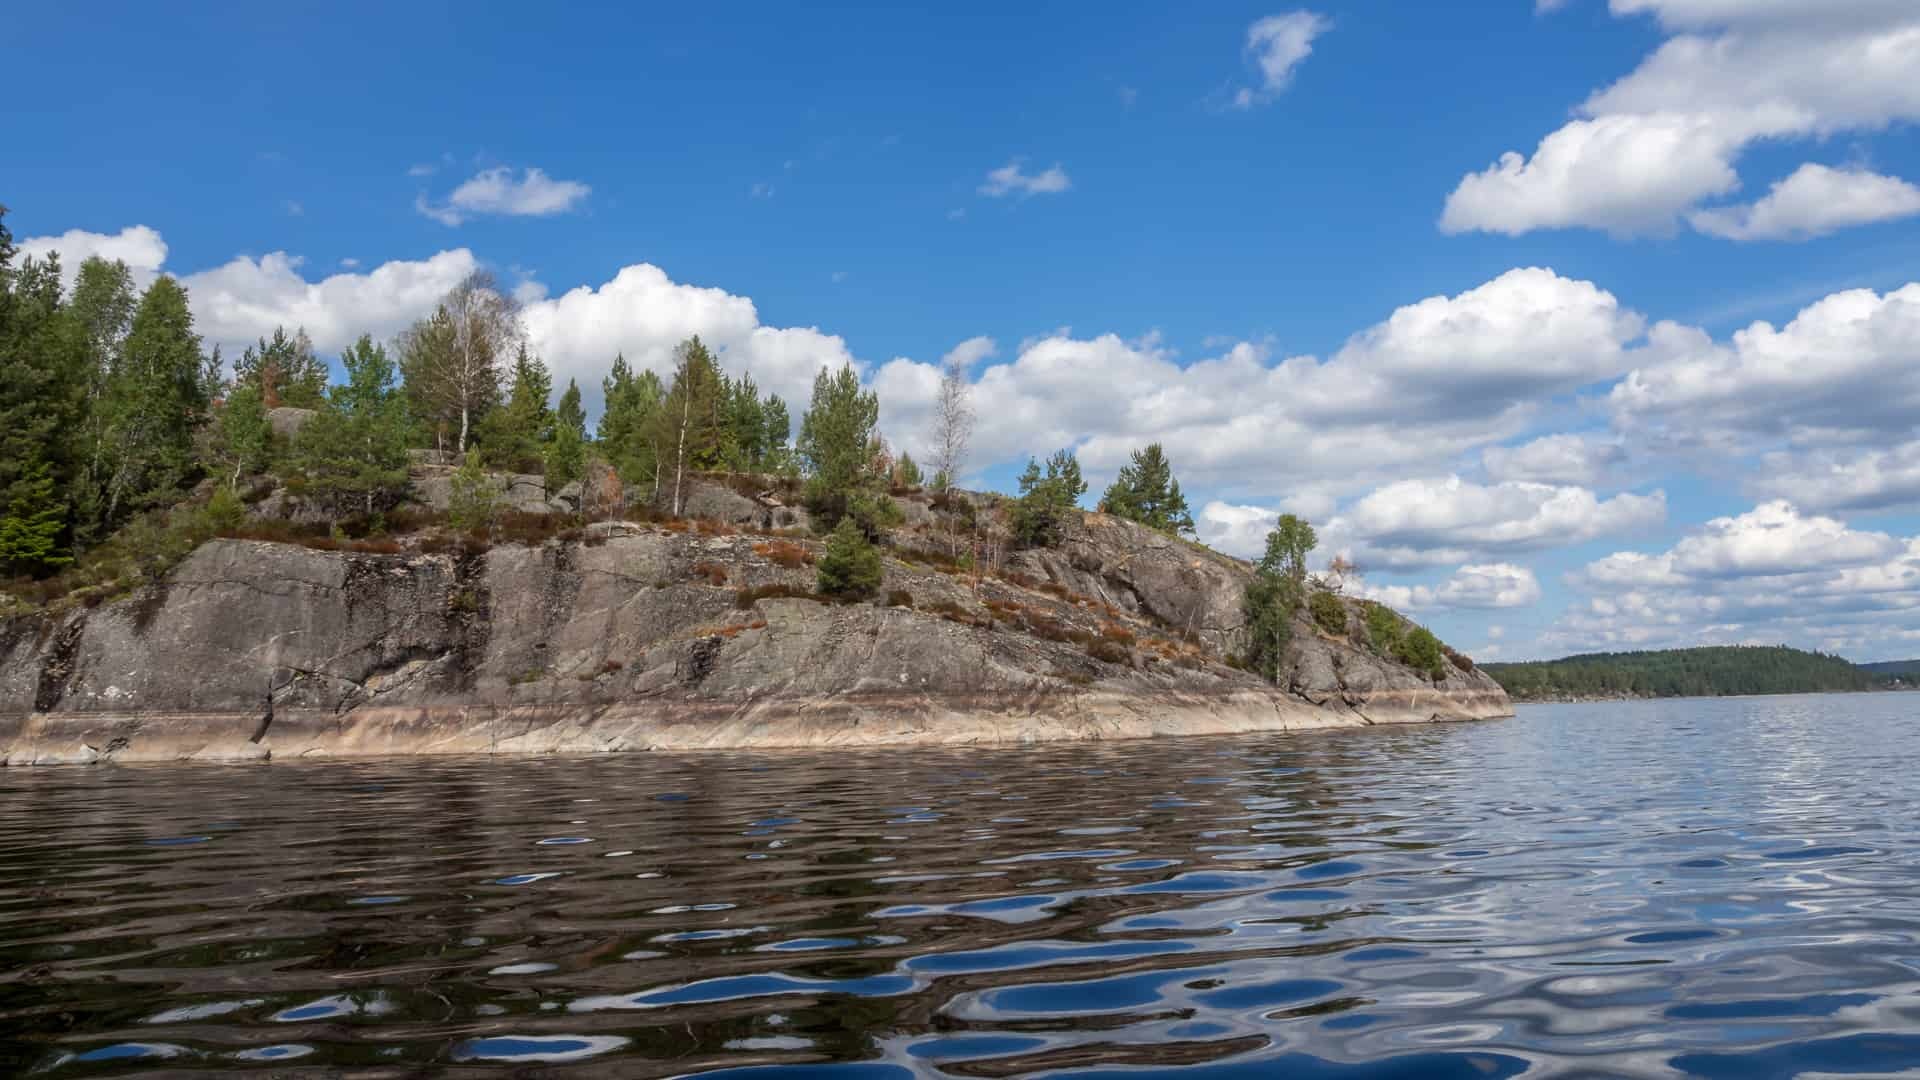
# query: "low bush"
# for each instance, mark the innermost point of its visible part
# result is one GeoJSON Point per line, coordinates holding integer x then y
{"type": "Point", "coordinates": [851, 565]}
{"type": "Point", "coordinates": [1456, 658]}
{"type": "Point", "coordinates": [1329, 612]}
{"type": "Point", "coordinates": [1109, 652]}
{"type": "Point", "coordinates": [784, 553]}
{"type": "Point", "coordinates": [1117, 634]}
{"type": "Point", "coordinates": [1419, 649]}
{"type": "Point", "coordinates": [712, 573]}
{"type": "Point", "coordinates": [746, 598]}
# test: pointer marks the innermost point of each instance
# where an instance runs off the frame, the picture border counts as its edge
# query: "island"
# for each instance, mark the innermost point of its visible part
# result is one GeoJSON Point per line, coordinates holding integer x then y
{"type": "Point", "coordinates": [1706, 671]}
{"type": "Point", "coordinates": [706, 630]}
{"type": "Point", "coordinates": [418, 550]}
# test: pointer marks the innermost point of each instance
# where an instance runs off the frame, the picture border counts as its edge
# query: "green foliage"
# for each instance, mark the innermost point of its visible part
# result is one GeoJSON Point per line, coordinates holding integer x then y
{"type": "Point", "coordinates": [627, 428]}
{"type": "Point", "coordinates": [1329, 612]}
{"type": "Point", "coordinates": [569, 414]}
{"type": "Point", "coordinates": [1047, 499]}
{"type": "Point", "coordinates": [835, 443]}
{"type": "Point", "coordinates": [474, 501]}
{"type": "Point", "coordinates": [566, 457]}
{"type": "Point", "coordinates": [352, 454]}
{"type": "Point", "coordinates": [690, 427]}
{"type": "Point", "coordinates": [515, 435]}
{"type": "Point", "coordinates": [224, 511]}
{"type": "Point", "coordinates": [1275, 594]}
{"type": "Point", "coordinates": [1709, 671]}
{"type": "Point", "coordinates": [155, 399]}
{"type": "Point", "coordinates": [1288, 545]}
{"type": "Point", "coordinates": [1383, 629]}
{"type": "Point", "coordinates": [244, 439]}
{"type": "Point", "coordinates": [1146, 492]}
{"type": "Point", "coordinates": [850, 566]}
{"type": "Point", "coordinates": [1420, 650]}
{"type": "Point", "coordinates": [282, 371]}
{"type": "Point", "coordinates": [31, 527]}
{"type": "Point", "coordinates": [1268, 605]}
{"type": "Point", "coordinates": [906, 472]}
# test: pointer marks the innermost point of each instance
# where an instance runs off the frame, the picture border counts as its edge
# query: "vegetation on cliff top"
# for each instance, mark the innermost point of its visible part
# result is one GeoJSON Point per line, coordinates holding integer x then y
{"type": "Point", "coordinates": [1712, 671]}
{"type": "Point", "coordinates": [124, 444]}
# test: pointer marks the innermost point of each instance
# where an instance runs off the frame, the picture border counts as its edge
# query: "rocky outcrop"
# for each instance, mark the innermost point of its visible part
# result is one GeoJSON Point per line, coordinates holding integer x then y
{"type": "Point", "coordinates": [640, 637]}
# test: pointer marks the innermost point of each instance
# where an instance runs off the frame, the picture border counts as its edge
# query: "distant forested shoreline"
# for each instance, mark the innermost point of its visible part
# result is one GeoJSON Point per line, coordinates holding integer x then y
{"type": "Point", "coordinates": [1710, 671]}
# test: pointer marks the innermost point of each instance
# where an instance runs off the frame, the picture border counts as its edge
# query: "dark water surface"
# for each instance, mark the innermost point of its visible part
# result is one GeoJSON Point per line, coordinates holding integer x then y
{"type": "Point", "coordinates": [1715, 888]}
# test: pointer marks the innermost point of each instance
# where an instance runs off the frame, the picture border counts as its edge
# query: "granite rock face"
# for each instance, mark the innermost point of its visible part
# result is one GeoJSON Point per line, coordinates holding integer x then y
{"type": "Point", "coordinates": [640, 637]}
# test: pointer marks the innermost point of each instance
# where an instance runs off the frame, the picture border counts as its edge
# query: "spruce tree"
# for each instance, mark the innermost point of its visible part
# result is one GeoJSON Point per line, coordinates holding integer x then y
{"type": "Point", "coordinates": [30, 528]}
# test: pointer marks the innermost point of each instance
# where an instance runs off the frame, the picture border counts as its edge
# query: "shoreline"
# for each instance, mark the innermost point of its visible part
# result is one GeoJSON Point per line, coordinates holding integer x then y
{"type": "Point", "coordinates": [849, 721]}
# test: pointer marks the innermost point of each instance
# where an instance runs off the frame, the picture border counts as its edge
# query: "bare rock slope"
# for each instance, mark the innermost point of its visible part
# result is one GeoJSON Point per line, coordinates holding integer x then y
{"type": "Point", "coordinates": [643, 637]}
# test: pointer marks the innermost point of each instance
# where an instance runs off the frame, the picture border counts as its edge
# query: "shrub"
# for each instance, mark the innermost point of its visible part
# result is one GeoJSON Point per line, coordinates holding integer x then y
{"type": "Point", "coordinates": [712, 573]}
{"type": "Point", "coordinates": [746, 598]}
{"type": "Point", "coordinates": [1420, 650]}
{"type": "Point", "coordinates": [1109, 652]}
{"type": "Point", "coordinates": [1117, 634]}
{"type": "Point", "coordinates": [851, 566]}
{"type": "Point", "coordinates": [951, 612]}
{"type": "Point", "coordinates": [1458, 659]}
{"type": "Point", "coordinates": [1383, 629]}
{"type": "Point", "coordinates": [1329, 612]}
{"type": "Point", "coordinates": [900, 598]}
{"type": "Point", "coordinates": [473, 500]}
{"type": "Point", "coordinates": [784, 553]}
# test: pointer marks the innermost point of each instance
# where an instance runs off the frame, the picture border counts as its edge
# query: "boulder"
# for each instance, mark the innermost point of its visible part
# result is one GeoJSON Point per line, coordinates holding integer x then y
{"type": "Point", "coordinates": [287, 421]}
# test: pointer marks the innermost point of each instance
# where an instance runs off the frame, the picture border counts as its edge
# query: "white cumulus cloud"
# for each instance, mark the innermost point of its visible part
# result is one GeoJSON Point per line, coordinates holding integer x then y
{"type": "Point", "coordinates": [139, 246]}
{"type": "Point", "coordinates": [1480, 586]}
{"type": "Point", "coordinates": [1814, 201]}
{"type": "Point", "coordinates": [1647, 151]}
{"type": "Point", "coordinates": [497, 191]}
{"type": "Point", "coordinates": [1412, 524]}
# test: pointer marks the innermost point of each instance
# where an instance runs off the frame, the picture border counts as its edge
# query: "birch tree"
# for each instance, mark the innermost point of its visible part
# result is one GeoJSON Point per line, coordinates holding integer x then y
{"type": "Point", "coordinates": [452, 359]}
{"type": "Point", "coordinates": [952, 424]}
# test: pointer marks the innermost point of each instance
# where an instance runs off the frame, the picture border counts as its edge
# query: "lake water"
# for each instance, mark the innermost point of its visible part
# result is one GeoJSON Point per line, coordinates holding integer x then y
{"type": "Point", "coordinates": [1717, 888]}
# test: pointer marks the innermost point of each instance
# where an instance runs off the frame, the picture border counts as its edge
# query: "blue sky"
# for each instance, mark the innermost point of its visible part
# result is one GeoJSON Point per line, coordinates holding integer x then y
{"type": "Point", "coordinates": [1275, 238]}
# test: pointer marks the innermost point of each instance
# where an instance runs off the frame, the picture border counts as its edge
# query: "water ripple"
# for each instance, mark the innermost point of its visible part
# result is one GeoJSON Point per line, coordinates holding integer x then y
{"type": "Point", "coordinates": [1720, 889]}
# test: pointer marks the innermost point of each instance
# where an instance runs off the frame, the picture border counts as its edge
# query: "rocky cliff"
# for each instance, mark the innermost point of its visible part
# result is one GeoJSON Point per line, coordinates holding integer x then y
{"type": "Point", "coordinates": [632, 637]}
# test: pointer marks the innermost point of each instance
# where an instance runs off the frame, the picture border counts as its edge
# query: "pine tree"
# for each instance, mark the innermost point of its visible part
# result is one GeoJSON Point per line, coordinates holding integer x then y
{"type": "Point", "coordinates": [746, 423]}
{"type": "Point", "coordinates": [690, 427]}
{"type": "Point", "coordinates": [627, 430]}
{"type": "Point", "coordinates": [1146, 492]}
{"type": "Point", "coordinates": [283, 371]}
{"type": "Point", "coordinates": [566, 454]}
{"type": "Point", "coordinates": [1047, 499]}
{"type": "Point", "coordinates": [850, 565]}
{"type": "Point", "coordinates": [835, 439]}
{"type": "Point", "coordinates": [353, 455]}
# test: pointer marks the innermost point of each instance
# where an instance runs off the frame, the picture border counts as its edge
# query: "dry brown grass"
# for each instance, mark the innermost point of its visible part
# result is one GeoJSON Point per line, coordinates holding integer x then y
{"type": "Point", "coordinates": [784, 553]}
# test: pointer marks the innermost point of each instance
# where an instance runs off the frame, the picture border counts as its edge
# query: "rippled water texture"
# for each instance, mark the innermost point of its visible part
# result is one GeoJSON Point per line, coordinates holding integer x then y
{"type": "Point", "coordinates": [1716, 888]}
